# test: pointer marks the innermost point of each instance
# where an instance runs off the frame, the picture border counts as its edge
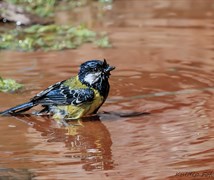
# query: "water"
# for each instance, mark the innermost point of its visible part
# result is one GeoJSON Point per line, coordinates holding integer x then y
{"type": "Point", "coordinates": [158, 120]}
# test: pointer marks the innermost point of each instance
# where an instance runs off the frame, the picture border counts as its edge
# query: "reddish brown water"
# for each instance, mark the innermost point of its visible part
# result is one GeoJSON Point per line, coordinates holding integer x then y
{"type": "Point", "coordinates": [164, 54]}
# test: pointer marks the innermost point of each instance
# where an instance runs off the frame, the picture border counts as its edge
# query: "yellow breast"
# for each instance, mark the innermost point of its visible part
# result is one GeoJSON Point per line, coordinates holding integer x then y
{"type": "Point", "coordinates": [75, 112]}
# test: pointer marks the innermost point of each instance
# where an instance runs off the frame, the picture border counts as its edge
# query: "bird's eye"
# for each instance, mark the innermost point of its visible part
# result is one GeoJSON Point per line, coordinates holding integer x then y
{"type": "Point", "coordinates": [95, 69]}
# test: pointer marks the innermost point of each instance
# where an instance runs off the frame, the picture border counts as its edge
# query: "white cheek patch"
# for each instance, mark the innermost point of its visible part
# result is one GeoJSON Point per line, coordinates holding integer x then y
{"type": "Point", "coordinates": [92, 78]}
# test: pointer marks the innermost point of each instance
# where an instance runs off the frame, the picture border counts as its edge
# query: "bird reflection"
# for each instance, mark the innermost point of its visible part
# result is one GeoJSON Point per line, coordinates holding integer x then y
{"type": "Point", "coordinates": [87, 139]}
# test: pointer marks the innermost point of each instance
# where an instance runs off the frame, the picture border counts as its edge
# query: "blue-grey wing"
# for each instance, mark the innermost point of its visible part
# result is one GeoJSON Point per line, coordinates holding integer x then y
{"type": "Point", "coordinates": [64, 95]}
{"type": "Point", "coordinates": [48, 90]}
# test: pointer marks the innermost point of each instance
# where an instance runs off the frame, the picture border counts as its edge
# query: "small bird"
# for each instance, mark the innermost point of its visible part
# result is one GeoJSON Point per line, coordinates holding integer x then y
{"type": "Point", "coordinates": [75, 97]}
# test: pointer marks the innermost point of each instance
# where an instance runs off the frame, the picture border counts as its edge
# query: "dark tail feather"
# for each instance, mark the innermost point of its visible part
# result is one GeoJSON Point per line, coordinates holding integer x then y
{"type": "Point", "coordinates": [18, 109]}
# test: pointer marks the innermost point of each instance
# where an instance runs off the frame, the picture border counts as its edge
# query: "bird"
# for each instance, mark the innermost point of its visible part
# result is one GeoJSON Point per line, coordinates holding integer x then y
{"type": "Point", "coordinates": [74, 98]}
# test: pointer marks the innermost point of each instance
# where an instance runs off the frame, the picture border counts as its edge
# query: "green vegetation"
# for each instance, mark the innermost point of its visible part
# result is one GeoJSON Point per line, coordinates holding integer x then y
{"type": "Point", "coordinates": [39, 7]}
{"type": "Point", "coordinates": [9, 85]}
{"type": "Point", "coordinates": [49, 37]}
{"type": "Point", "coordinates": [103, 42]}
{"type": "Point", "coordinates": [105, 1]}
{"type": "Point", "coordinates": [46, 8]}
{"type": "Point", "coordinates": [71, 4]}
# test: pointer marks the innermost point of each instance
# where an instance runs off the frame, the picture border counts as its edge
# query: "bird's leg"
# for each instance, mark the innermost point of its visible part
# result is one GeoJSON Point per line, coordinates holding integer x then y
{"type": "Point", "coordinates": [44, 111]}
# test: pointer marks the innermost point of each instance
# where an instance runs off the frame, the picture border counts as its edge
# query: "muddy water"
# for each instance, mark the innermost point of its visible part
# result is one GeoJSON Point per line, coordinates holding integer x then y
{"type": "Point", "coordinates": [163, 52]}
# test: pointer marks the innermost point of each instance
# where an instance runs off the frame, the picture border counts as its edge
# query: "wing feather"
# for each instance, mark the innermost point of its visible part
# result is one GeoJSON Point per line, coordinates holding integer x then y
{"type": "Point", "coordinates": [60, 94]}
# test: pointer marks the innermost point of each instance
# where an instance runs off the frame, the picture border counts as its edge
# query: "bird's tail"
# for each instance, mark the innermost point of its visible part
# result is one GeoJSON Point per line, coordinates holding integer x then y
{"type": "Point", "coordinates": [18, 109]}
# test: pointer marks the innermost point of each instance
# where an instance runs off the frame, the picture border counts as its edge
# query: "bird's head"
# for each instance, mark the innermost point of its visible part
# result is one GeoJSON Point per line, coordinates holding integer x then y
{"type": "Point", "coordinates": [94, 72]}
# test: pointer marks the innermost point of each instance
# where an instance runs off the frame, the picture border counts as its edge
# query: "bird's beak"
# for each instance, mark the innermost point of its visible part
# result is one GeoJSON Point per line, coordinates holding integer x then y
{"type": "Point", "coordinates": [109, 68]}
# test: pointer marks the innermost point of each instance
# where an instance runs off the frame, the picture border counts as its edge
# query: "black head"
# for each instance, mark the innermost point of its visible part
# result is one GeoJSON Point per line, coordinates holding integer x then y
{"type": "Point", "coordinates": [95, 73]}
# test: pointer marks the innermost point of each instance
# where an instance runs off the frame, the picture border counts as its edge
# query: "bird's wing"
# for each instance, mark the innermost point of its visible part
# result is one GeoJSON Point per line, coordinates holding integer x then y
{"type": "Point", "coordinates": [60, 94]}
{"type": "Point", "coordinates": [46, 91]}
